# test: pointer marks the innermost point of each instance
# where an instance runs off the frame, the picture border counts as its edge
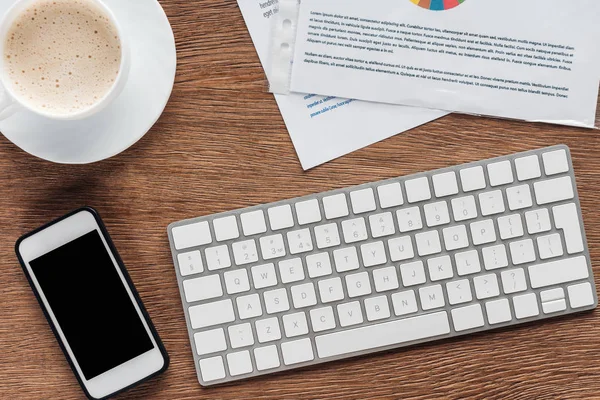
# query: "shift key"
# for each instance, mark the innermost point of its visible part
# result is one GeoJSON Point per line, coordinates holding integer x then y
{"type": "Point", "coordinates": [557, 272]}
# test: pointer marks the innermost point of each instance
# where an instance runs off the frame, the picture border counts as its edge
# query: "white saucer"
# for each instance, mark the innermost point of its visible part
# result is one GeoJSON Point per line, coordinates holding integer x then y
{"type": "Point", "coordinates": [130, 116]}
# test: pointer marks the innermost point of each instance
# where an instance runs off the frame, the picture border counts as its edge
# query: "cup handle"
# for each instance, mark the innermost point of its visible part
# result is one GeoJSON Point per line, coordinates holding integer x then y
{"type": "Point", "coordinates": [7, 104]}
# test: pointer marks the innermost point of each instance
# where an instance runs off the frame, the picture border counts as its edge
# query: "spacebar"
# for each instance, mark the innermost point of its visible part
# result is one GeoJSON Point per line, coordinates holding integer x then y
{"type": "Point", "coordinates": [389, 333]}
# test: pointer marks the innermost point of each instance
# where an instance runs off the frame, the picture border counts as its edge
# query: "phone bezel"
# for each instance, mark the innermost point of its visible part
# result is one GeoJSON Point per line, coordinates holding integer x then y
{"type": "Point", "coordinates": [60, 232]}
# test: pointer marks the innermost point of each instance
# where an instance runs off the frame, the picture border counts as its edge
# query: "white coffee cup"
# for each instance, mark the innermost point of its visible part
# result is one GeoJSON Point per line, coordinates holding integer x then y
{"type": "Point", "coordinates": [10, 102]}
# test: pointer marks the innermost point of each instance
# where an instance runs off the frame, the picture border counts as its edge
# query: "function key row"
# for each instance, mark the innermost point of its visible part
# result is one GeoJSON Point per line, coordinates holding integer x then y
{"type": "Point", "coordinates": [390, 195]}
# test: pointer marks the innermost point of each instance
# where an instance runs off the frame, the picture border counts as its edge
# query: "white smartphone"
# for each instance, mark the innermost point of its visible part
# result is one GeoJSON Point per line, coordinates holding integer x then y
{"type": "Point", "coordinates": [91, 304]}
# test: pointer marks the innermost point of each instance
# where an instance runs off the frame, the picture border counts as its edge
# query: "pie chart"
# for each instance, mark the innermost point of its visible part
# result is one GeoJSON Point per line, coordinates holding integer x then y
{"type": "Point", "coordinates": [438, 5]}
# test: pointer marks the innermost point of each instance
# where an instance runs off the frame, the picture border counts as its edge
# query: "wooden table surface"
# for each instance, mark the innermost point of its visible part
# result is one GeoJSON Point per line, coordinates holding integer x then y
{"type": "Point", "coordinates": [220, 145]}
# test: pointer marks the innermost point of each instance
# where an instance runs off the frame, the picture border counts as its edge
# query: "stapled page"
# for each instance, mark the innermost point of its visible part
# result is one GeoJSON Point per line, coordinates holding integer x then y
{"type": "Point", "coordinates": [535, 60]}
{"type": "Point", "coordinates": [323, 128]}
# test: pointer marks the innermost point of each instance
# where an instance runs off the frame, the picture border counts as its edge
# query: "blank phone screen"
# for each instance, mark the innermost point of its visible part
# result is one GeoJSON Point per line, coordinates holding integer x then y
{"type": "Point", "coordinates": [90, 302]}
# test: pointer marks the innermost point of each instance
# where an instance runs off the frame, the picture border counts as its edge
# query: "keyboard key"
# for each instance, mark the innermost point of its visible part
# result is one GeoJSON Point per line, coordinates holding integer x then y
{"type": "Point", "coordinates": [428, 243]}
{"type": "Point", "coordinates": [464, 208]}
{"type": "Point", "coordinates": [519, 197]}
{"type": "Point", "coordinates": [380, 335]}
{"type": "Point", "coordinates": [431, 297]}
{"type": "Point", "coordinates": [526, 306]}
{"type": "Point", "coordinates": [245, 252]}
{"type": "Point", "coordinates": [272, 247]}
{"type": "Point", "coordinates": [500, 173]}
{"type": "Point", "coordinates": [404, 303]}
{"type": "Point", "coordinates": [417, 190]}
{"type": "Point", "coordinates": [217, 257]}
{"type": "Point", "coordinates": [358, 284]}
{"type": "Point", "coordinates": [253, 223]}
{"type": "Point", "coordinates": [494, 257]}
{"type": "Point", "coordinates": [538, 221]}
{"type": "Point", "coordinates": [210, 314]}
{"type": "Point", "coordinates": [264, 276]}
{"type": "Point", "coordinates": [491, 203]}
{"type": "Point", "coordinates": [308, 212]}
{"type": "Point", "coordinates": [472, 179]}
{"type": "Point", "coordinates": [467, 262]}
{"type": "Point", "coordinates": [240, 335]}
{"type": "Point", "coordinates": [237, 281]}
{"type": "Point", "coordinates": [327, 236]}
{"type": "Point", "coordinates": [469, 317]}
{"type": "Point", "coordinates": [401, 248]}
{"type": "Point", "coordinates": [440, 268]}
{"type": "Point", "coordinates": [212, 369]}
{"type": "Point", "coordinates": [226, 228]}
{"type": "Point", "coordinates": [377, 308]}
{"type": "Point", "coordinates": [350, 314]}
{"type": "Point", "coordinates": [522, 252]}
{"type": "Point", "coordinates": [549, 246]}
{"type": "Point", "coordinates": [291, 270]}
{"type": "Point", "coordinates": [385, 279]}
{"type": "Point", "coordinates": [412, 273]}
{"type": "Point", "coordinates": [498, 311]}
{"type": "Point", "coordinates": [437, 214]}
{"type": "Point", "coordinates": [510, 227]}
{"type": "Point", "coordinates": [276, 301]}
{"type": "Point", "coordinates": [558, 272]}
{"type": "Point", "coordinates": [322, 319]}
{"type": "Point", "coordinates": [299, 241]}
{"type": "Point", "coordinates": [528, 168]}
{"type": "Point", "coordinates": [373, 254]}
{"type": "Point", "coordinates": [304, 295]}
{"type": "Point", "coordinates": [513, 281]}
{"type": "Point", "coordinates": [459, 292]}
{"type": "Point", "coordinates": [331, 290]}
{"type": "Point", "coordinates": [382, 225]}
{"type": "Point", "coordinates": [456, 238]}
{"type": "Point", "coordinates": [363, 201]}
{"type": "Point", "coordinates": [198, 289]}
{"type": "Point", "coordinates": [554, 306]}
{"type": "Point", "coordinates": [554, 190]}
{"type": "Point", "coordinates": [281, 217]}
{"type": "Point", "coordinates": [335, 206]}
{"type": "Point", "coordinates": [318, 265]}
{"type": "Point", "coordinates": [552, 294]}
{"type": "Point", "coordinates": [483, 232]}
{"type": "Point", "coordinates": [297, 352]}
{"type": "Point", "coordinates": [409, 219]}
{"type": "Point", "coordinates": [190, 263]}
{"type": "Point", "coordinates": [354, 230]}
{"type": "Point", "coordinates": [567, 219]}
{"type": "Point", "coordinates": [268, 330]}
{"type": "Point", "coordinates": [295, 325]}
{"type": "Point", "coordinates": [581, 295]}
{"type": "Point", "coordinates": [191, 235]}
{"type": "Point", "coordinates": [390, 195]}
{"type": "Point", "coordinates": [249, 306]}
{"type": "Point", "coordinates": [346, 259]}
{"type": "Point", "coordinates": [445, 184]}
{"type": "Point", "coordinates": [266, 358]}
{"type": "Point", "coordinates": [239, 363]}
{"type": "Point", "coordinates": [486, 286]}
{"type": "Point", "coordinates": [208, 342]}
{"type": "Point", "coordinates": [555, 162]}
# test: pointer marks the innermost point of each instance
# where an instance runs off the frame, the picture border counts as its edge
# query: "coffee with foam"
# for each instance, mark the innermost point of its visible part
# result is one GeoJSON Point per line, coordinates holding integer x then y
{"type": "Point", "coordinates": [62, 56]}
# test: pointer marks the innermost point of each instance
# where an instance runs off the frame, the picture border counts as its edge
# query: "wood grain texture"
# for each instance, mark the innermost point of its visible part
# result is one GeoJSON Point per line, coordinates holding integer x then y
{"type": "Point", "coordinates": [220, 145]}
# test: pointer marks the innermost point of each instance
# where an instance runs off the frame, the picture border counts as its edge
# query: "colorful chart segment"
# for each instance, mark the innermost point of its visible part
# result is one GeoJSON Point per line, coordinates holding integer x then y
{"type": "Point", "coordinates": [438, 5]}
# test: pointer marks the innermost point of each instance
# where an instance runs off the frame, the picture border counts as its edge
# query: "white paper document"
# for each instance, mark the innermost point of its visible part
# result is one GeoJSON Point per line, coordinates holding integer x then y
{"type": "Point", "coordinates": [535, 60]}
{"type": "Point", "coordinates": [324, 128]}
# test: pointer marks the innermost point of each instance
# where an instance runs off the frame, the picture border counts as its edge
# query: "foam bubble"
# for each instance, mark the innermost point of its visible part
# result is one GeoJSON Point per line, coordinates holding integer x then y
{"type": "Point", "coordinates": [71, 62]}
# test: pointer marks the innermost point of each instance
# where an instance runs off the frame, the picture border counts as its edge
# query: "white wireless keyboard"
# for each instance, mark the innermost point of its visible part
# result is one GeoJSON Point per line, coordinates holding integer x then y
{"type": "Point", "coordinates": [383, 265]}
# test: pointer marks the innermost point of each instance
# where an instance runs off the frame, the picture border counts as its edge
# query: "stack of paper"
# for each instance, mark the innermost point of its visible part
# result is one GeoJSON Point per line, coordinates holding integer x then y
{"type": "Point", "coordinates": [324, 128]}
